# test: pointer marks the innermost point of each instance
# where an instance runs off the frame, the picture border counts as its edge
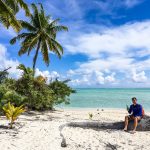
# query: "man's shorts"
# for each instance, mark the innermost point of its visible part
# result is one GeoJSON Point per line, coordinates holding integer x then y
{"type": "Point", "coordinates": [131, 117]}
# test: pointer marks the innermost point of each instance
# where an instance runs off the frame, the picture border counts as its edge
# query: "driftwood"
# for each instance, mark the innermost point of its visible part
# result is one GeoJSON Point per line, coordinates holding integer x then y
{"type": "Point", "coordinates": [143, 125]}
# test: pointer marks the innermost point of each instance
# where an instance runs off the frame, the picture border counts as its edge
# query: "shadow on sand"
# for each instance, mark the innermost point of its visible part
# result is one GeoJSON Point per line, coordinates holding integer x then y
{"type": "Point", "coordinates": [143, 125]}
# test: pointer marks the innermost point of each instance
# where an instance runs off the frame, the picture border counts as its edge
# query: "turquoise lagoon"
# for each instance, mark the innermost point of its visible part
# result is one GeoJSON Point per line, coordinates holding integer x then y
{"type": "Point", "coordinates": [108, 98]}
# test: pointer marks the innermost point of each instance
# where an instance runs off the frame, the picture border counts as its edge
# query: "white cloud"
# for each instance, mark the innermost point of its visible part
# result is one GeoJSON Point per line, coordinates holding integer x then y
{"type": "Point", "coordinates": [49, 75]}
{"type": "Point", "coordinates": [117, 49]}
{"type": "Point", "coordinates": [6, 62]}
{"type": "Point", "coordinates": [100, 80]}
{"type": "Point", "coordinates": [110, 78]}
{"type": "Point", "coordinates": [139, 77]}
{"type": "Point", "coordinates": [93, 78]}
{"type": "Point", "coordinates": [70, 72]}
{"type": "Point", "coordinates": [114, 41]}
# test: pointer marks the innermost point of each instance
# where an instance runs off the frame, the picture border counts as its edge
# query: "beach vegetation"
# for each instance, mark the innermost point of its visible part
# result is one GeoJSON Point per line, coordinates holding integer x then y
{"type": "Point", "coordinates": [34, 92]}
{"type": "Point", "coordinates": [12, 112]}
{"type": "Point", "coordinates": [90, 116]}
{"type": "Point", "coordinates": [8, 94]}
{"type": "Point", "coordinates": [38, 95]}
{"type": "Point", "coordinates": [61, 91]}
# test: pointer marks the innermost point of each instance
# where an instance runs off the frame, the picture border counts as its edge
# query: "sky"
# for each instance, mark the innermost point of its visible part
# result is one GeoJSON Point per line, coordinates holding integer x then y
{"type": "Point", "coordinates": [107, 45]}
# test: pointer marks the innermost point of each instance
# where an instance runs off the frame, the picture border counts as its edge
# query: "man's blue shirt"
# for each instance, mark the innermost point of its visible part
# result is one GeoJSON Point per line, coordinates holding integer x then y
{"type": "Point", "coordinates": [136, 110]}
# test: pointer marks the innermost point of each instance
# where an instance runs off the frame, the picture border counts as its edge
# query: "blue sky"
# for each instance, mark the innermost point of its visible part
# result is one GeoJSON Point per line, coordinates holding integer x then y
{"type": "Point", "coordinates": [108, 43]}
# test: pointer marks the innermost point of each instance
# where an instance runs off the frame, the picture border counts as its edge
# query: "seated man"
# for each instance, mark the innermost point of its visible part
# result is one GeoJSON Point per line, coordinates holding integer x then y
{"type": "Point", "coordinates": [135, 112]}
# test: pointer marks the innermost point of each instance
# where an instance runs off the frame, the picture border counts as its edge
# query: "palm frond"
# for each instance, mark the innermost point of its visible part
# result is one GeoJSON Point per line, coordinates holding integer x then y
{"type": "Point", "coordinates": [54, 22]}
{"type": "Point", "coordinates": [13, 5]}
{"type": "Point", "coordinates": [25, 45]}
{"type": "Point", "coordinates": [57, 45]}
{"type": "Point", "coordinates": [7, 17]}
{"type": "Point", "coordinates": [27, 26]}
{"type": "Point", "coordinates": [23, 50]}
{"type": "Point", "coordinates": [36, 15]}
{"type": "Point", "coordinates": [53, 48]}
{"type": "Point", "coordinates": [66, 81]}
{"type": "Point", "coordinates": [59, 28]}
{"type": "Point", "coordinates": [44, 50]}
{"type": "Point", "coordinates": [33, 44]}
{"type": "Point", "coordinates": [24, 6]}
{"type": "Point", "coordinates": [22, 67]}
{"type": "Point", "coordinates": [19, 37]}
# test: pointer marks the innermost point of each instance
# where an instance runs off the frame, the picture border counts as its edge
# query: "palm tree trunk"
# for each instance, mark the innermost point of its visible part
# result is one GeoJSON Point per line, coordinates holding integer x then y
{"type": "Point", "coordinates": [36, 55]}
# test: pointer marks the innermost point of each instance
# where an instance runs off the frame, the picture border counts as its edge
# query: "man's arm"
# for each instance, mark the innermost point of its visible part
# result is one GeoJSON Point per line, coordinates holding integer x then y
{"type": "Point", "coordinates": [140, 110]}
{"type": "Point", "coordinates": [130, 109]}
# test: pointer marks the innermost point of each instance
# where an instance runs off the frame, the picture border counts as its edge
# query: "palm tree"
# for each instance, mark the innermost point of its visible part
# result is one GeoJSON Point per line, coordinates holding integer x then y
{"type": "Point", "coordinates": [8, 10]}
{"type": "Point", "coordinates": [41, 34]}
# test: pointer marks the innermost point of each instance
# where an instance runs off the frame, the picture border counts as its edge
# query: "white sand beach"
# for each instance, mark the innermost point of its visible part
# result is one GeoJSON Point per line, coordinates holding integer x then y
{"type": "Point", "coordinates": [40, 131]}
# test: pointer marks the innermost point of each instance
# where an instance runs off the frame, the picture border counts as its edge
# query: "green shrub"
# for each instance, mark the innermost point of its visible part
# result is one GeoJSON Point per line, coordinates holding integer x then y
{"type": "Point", "coordinates": [90, 116]}
{"type": "Point", "coordinates": [8, 95]}
{"type": "Point", "coordinates": [34, 92]}
{"type": "Point", "coordinates": [61, 91]}
{"type": "Point", "coordinates": [12, 112]}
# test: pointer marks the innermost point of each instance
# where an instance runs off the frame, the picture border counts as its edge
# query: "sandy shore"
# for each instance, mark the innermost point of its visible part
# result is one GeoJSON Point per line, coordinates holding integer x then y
{"type": "Point", "coordinates": [40, 131]}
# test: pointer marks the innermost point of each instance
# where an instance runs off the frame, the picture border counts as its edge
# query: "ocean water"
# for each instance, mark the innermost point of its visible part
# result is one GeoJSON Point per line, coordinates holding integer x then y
{"type": "Point", "coordinates": [108, 98]}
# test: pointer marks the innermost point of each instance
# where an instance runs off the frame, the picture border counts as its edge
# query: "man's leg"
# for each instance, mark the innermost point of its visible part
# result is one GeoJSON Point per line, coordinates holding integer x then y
{"type": "Point", "coordinates": [136, 119]}
{"type": "Point", "coordinates": [126, 123]}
